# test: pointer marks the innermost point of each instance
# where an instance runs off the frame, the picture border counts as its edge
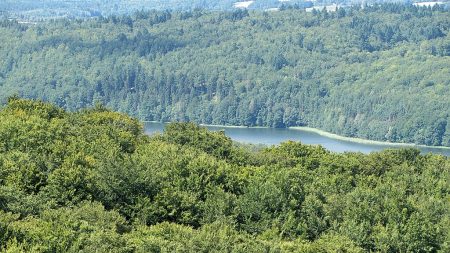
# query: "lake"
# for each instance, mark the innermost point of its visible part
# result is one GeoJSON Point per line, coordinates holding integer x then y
{"type": "Point", "coordinates": [274, 136]}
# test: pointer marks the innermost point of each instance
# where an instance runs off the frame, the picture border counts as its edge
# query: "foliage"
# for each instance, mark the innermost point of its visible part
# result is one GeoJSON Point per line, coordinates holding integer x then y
{"type": "Point", "coordinates": [378, 73]}
{"type": "Point", "coordinates": [93, 181]}
{"type": "Point", "coordinates": [50, 9]}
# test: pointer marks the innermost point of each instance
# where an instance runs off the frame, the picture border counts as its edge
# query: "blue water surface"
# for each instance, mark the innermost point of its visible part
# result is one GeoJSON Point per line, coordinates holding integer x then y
{"type": "Point", "coordinates": [273, 136]}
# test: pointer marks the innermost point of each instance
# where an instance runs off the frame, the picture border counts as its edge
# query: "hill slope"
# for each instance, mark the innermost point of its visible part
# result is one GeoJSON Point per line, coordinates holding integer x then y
{"type": "Point", "coordinates": [49, 9]}
{"type": "Point", "coordinates": [381, 73]}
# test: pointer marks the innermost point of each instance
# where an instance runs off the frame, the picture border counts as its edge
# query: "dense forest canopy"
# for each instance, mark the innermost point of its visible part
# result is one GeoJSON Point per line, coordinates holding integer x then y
{"type": "Point", "coordinates": [379, 73]}
{"type": "Point", "coordinates": [48, 9]}
{"type": "Point", "coordinates": [92, 181]}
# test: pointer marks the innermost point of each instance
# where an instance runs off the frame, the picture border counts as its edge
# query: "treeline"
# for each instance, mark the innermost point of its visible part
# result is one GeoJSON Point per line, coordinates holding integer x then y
{"type": "Point", "coordinates": [379, 73]}
{"type": "Point", "coordinates": [51, 9]}
{"type": "Point", "coordinates": [93, 181]}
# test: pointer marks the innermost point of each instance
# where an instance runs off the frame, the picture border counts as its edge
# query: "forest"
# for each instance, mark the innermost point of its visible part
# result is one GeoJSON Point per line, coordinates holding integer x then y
{"type": "Point", "coordinates": [50, 9]}
{"type": "Point", "coordinates": [379, 72]}
{"type": "Point", "coordinates": [92, 181]}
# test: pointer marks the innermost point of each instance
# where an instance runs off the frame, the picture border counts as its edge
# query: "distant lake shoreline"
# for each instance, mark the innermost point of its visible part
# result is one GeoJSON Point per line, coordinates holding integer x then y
{"type": "Point", "coordinates": [306, 135]}
{"type": "Point", "coordinates": [365, 141]}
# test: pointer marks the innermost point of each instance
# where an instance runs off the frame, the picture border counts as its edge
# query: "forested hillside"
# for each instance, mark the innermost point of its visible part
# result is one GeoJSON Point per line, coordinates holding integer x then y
{"type": "Point", "coordinates": [380, 73]}
{"type": "Point", "coordinates": [49, 9]}
{"type": "Point", "coordinates": [92, 181]}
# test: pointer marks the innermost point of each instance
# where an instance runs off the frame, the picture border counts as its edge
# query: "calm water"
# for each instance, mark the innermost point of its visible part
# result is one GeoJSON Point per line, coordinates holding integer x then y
{"type": "Point", "coordinates": [272, 136]}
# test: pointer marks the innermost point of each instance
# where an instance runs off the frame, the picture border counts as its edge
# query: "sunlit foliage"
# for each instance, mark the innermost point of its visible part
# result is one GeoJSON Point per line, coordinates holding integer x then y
{"type": "Point", "coordinates": [92, 181]}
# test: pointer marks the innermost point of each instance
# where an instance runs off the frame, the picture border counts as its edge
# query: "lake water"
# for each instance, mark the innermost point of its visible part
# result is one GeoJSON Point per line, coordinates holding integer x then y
{"type": "Point", "coordinates": [273, 136]}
